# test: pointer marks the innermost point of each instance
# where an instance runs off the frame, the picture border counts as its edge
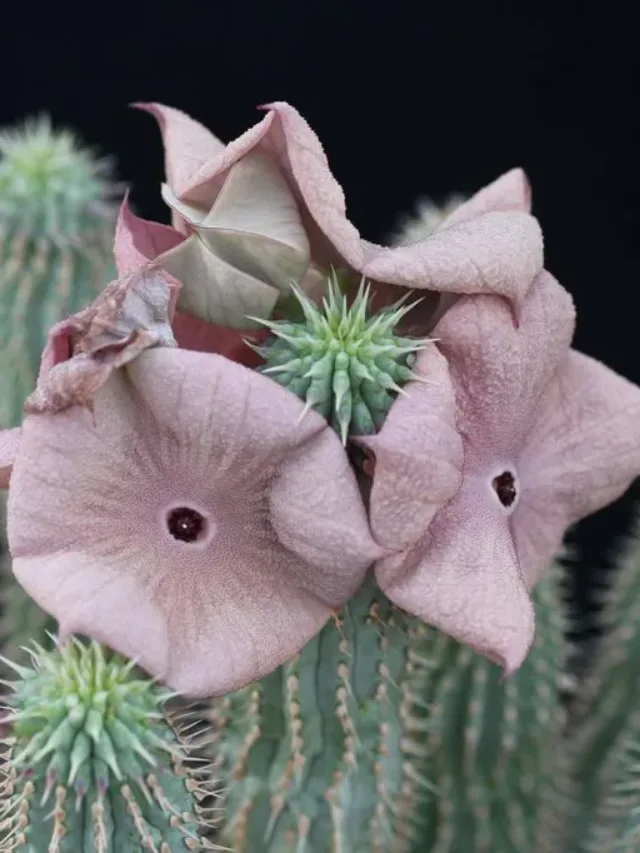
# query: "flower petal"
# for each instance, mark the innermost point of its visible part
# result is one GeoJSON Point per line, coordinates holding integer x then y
{"type": "Point", "coordinates": [128, 317]}
{"type": "Point", "coordinates": [583, 453]}
{"type": "Point", "coordinates": [187, 143]}
{"type": "Point", "coordinates": [9, 446]}
{"type": "Point", "coordinates": [500, 370]}
{"type": "Point", "coordinates": [463, 577]}
{"type": "Point", "coordinates": [255, 224]}
{"type": "Point", "coordinates": [418, 456]}
{"type": "Point", "coordinates": [511, 191]}
{"type": "Point", "coordinates": [92, 492]}
{"type": "Point", "coordinates": [138, 241]}
{"type": "Point", "coordinates": [217, 292]}
{"type": "Point", "coordinates": [256, 236]}
{"type": "Point", "coordinates": [499, 252]}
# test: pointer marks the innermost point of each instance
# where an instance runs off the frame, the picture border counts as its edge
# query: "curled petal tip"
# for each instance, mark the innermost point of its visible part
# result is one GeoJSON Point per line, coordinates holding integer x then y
{"type": "Point", "coordinates": [145, 106]}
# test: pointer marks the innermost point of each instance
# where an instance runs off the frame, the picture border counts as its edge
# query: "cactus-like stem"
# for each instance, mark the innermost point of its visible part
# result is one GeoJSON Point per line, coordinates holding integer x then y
{"type": "Point", "coordinates": [385, 736]}
{"type": "Point", "coordinates": [94, 766]}
{"type": "Point", "coordinates": [343, 363]}
{"type": "Point", "coordinates": [604, 746]}
{"type": "Point", "coordinates": [56, 234]}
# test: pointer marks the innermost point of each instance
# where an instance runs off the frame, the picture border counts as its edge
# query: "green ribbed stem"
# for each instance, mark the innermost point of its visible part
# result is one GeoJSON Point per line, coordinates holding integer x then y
{"type": "Point", "coordinates": [604, 747]}
{"type": "Point", "coordinates": [94, 765]}
{"type": "Point", "coordinates": [385, 736]}
{"type": "Point", "coordinates": [56, 235]}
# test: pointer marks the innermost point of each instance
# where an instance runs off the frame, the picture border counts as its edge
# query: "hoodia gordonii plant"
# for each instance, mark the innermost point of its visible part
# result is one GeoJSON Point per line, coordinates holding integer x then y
{"type": "Point", "coordinates": [94, 765]}
{"type": "Point", "coordinates": [364, 590]}
{"type": "Point", "coordinates": [56, 233]}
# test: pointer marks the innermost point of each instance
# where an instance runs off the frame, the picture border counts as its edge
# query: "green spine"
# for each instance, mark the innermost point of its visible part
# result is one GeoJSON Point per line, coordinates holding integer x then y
{"type": "Point", "coordinates": [56, 234]}
{"type": "Point", "coordinates": [341, 362]}
{"type": "Point", "coordinates": [604, 743]}
{"type": "Point", "coordinates": [95, 764]}
{"type": "Point", "coordinates": [385, 736]}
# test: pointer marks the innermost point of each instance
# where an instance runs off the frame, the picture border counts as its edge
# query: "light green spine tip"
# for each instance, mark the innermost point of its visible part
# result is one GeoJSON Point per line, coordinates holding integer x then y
{"type": "Point", "coordinates": [50, 186]}
{"type": "Point", "coordinates": [94, 765]}
{"type": "Point", "coordinates": [342, 362]}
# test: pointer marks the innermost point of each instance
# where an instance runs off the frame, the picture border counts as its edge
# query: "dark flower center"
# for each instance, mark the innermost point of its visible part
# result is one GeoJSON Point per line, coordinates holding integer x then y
{"type": "Point", "coordinates": [505, 488]}
{"type": "Point", "coordinates": [186, 524]}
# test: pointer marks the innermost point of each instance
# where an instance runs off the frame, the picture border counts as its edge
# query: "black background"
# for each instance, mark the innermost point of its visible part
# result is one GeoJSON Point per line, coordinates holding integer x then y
{"type": "Point", "coordinates": [408, 98]}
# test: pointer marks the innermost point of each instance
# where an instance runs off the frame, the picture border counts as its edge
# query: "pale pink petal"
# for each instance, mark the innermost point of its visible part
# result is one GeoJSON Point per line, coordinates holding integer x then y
{"type": "Point", "coordinates": [138, 244]}
{"type": "Point", "coordinates": [463, 577]}
{"type": "Point", "coordinates": [9, 446]}
{"type": "Point", "coordinates": [418, 456]}
{"type": "Point", "coordinates": [89, 501]}
{"type": "Point", "coordinates": [205, 184]}
{"type": "Point", "coordinates": [499, 252]}
{"type": "Point", "coordinates": [138, 241]}
{"type": "Point", "coordinates": [511, 191]}
{"type": "Point", "coordinates": [501, 369]}
{"type": "Point", "coordinates": [59, 345]}
{"type": "Point", "coordinates": [216, 291]}
{"type": "Point", "coordinates": [187, 144]}
{"type": "Point", "coordinates": [583, 452]}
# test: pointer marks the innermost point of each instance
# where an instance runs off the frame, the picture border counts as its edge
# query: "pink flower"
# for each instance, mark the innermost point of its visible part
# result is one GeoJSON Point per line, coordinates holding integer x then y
{"type": "Point", "coordinates": [480, 471]}
{"type": "Point", "coordinates": [265, 210]}
{"type": "Point", "coordinates": [141, 244]}
{"type": "Point", "coordinates": [174, 504]}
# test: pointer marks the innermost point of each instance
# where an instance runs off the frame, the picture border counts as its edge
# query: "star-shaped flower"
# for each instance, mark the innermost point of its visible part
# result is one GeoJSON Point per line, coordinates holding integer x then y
{"type": "Point", "coordinates": [480, 470]}
{"type": "Point", "coordinates": [267, 206]}
{"type": "Point", "coordinates": [174, 504]}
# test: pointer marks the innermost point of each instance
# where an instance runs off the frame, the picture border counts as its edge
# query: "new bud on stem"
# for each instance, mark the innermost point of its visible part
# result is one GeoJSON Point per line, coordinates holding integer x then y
{"type": "Point", "coordinates": [94, 765]}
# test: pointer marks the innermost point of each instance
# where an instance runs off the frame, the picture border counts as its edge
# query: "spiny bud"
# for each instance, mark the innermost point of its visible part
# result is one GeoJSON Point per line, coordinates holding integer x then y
{"type": "Point", "coordinates": [343, 363]}
{"type": "Point", "coordinates": [50, 186]}
{"type": "Point", "coordinates": [428, 217]}
{"type": "Point", "coordinates": [93, 764]}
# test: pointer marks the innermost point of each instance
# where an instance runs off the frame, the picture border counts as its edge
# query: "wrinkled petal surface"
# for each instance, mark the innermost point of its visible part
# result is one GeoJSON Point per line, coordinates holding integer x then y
{"type": "Point", "coordinates": [500, 369]}
{"type": "Point", "coordinates": [511, 191]}
{"type": "Point", "coordinates": [285, 536]}
{"type": "Point", "coordinates": [583, 452]}
{"type": "Point", "coordinates": [462, 570]}
{"type": "Point", "coordinates": [128, 317]}
{"type": "Point", "coordinates": [139, 243]}
{"type": "Point", "coordinates": [9, 446]}
{"type": "Point", "coordinates": [499, 252]}
{"type": "Point", "coordinates": [418, 456]}
{"type": "Point", "coordinates": [464, 578]}
{"type": "Point", "coordinates": [246, 250]}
